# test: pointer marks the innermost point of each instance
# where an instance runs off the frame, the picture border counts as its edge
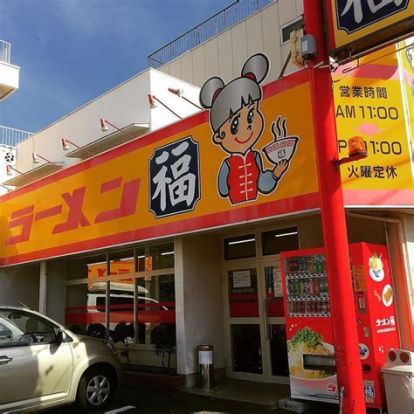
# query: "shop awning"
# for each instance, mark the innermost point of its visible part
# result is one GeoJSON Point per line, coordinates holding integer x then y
{"type": "Point", "coordinates": [34, 174]}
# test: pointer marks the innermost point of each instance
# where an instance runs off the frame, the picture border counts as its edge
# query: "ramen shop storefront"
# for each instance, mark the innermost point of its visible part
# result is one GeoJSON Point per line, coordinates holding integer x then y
{"type": "Point", "coordinates": [142, 234]}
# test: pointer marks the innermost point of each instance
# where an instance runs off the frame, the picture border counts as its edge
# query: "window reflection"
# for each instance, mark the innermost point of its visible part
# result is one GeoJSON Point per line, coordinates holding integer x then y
{"type": "Point", "coordinates": [130, 308]}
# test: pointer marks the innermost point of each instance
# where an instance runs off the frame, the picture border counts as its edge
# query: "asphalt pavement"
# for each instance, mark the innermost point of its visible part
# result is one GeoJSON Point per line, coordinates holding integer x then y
{"type": "Point", "coordinates": [132, 401]}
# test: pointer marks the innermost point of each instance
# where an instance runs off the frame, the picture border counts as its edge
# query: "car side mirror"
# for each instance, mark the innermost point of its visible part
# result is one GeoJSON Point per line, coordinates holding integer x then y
{"type": "Point", "coordinates": [59, 336]}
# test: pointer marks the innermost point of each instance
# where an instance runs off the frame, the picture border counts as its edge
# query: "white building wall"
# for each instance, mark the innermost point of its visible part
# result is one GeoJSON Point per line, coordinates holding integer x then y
{"type": "Point", "coordinates": [161, 116]}
{"type": "Point", "coordinates": [124, 105]}
{"type": "Point", "coordinates": [225, 54]}
{"type": "Point", "coordinates": [199, 301]}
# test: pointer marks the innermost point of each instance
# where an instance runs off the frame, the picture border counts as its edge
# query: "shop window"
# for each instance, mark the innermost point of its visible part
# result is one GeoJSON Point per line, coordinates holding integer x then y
{"type": "Point", "coordinates": [240, 247]}
{"type": "Point", "coordinates": [134, 305]}
{"type": "Point", "coordinates": [122, 263]}
{"type": "Point", "coordinates": [288, 29]}
{"type": "Point", "coordinates": [87, 267]}
{"type": "Point", "coordinates": [85, 309]}
{"type": "Point", "coordinates": [156, 305]}
{"type": "Point", "coordinates": [155, 257]}
{"type": "Point", "coordinates": [276, 241]}
{"type": "Point", "coordinates": [121, 310]}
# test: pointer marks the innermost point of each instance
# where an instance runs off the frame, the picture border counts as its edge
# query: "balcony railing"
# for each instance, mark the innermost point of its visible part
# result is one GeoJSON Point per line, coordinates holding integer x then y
{"type": "Point", "coordinates": [11, 136]}
{"type": "Point", "coordinates": [231, 15]}
{"type": "Point", "coordinates": [5, 48]}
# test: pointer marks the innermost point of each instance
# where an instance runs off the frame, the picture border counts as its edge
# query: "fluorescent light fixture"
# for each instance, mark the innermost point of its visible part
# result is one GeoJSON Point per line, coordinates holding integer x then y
{"type": "Point", "coordinates": [241, 241]}
{"type": "Point", "coordinates": [291, 233]}
{"type": "Point", "coordinates": [166, 253]}
{"type": "Point", "coordinates": [141, 257]}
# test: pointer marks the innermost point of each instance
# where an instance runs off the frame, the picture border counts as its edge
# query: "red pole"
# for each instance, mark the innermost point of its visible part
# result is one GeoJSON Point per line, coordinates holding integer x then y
{"type": "Point", "coordinates": [348, 365]}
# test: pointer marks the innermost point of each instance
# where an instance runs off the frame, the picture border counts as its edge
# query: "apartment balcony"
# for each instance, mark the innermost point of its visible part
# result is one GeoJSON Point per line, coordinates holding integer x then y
{"type": "Point", "coordinates": [9, 74]}
{"type": "Point", "coordinates": [9, 139]}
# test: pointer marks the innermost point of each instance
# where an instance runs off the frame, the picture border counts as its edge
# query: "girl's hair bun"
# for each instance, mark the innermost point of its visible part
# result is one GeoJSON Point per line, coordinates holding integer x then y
{"type": "Point", "coordinates": [210, 90]}
{"type": "Point", "coordinates": [258, 65]}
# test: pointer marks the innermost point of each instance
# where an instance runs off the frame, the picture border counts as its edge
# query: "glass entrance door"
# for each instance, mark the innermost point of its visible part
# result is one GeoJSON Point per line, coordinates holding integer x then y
{"type": "Point", "coordinates": [256, 341]}
{"type": "Point", "coordinates": [275, 335]}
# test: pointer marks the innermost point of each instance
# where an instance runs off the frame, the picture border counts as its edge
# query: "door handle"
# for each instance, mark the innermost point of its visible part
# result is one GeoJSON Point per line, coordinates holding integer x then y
{"type": "Point", "coordinates": [5, 360]}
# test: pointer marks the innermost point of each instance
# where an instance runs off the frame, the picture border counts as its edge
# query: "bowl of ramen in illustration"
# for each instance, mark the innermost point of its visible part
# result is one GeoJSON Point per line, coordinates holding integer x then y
{"type": "Point", "coordinates": [310, 381]}
{"type": "Point", "coordinates": [281, 149]}
{"type": "Point", "coordinates": [376, 268]}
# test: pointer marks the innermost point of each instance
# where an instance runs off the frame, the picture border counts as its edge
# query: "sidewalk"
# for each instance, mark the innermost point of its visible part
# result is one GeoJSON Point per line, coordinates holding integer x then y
{"type": "Point", "coordinates": [246, 391]}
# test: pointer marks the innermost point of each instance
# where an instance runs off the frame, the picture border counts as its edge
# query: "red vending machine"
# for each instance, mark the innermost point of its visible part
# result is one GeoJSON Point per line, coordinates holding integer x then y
{"type": "Point", "coordinates": [311, 350]}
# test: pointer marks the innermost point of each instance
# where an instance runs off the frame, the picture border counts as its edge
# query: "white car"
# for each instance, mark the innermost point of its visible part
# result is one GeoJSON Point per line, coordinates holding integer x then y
{"type": "Point", "coordinates": [43, 365]}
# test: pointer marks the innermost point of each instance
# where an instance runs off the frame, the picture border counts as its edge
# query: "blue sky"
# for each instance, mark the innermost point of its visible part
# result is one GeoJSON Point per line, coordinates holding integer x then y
{"type": "Point", "coordinates": [71, 51]}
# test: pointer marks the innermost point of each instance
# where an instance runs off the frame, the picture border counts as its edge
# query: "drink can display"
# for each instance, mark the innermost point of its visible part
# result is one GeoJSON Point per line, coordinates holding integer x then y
{"type": "Point", "coordinates": [305, 263]}
{"type": "Point", "coordinates": [320, 265]}
{"type": "Point", "coordinates": [323, 264]}
{"type": "Point", "coordinates": [297, 289]}
{"type": "Point", "coordinates": [306, 287]}
{"type": "Point", "coordinates": [302, 286]}
{"type": "Point", "coordinates": [319, 307]}
{"type": "Point", "coordinates": [310, 265]}
{"type": "Point", "coordinates": [316, 286]}
{"type": "Point", "coordinates": [311, 288]}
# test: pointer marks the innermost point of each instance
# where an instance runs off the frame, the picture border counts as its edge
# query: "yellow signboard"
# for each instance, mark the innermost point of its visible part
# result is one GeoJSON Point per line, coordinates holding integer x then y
{"type": "Point", "coordinates": [369, 104]}
{"type": "Point", "coordinates": [357, 26]}
{"type": "Point", "coordinates": [166, 183]}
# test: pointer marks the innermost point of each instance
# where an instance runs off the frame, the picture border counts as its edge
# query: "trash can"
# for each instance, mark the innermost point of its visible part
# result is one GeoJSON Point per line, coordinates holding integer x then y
{"type": "Point", "coordinates": [206, 361]}
{"type": "Point", "coordinates": [399, 382]}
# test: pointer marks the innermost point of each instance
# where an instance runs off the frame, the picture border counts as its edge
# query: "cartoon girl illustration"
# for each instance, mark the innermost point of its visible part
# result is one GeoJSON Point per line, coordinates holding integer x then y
{"type": "Point", "coordinates": [237, 124]}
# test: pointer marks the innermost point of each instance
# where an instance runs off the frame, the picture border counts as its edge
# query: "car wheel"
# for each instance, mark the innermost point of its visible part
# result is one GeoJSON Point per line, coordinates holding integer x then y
{"type": "Point", "coordinates": [95, 389]}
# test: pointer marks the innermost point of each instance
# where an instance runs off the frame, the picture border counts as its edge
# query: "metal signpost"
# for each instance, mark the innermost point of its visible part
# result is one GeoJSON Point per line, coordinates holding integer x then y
{"type": "Point", "coordinates": [348, 366]}
{"type": "Point", "coordinates": [359, 24]}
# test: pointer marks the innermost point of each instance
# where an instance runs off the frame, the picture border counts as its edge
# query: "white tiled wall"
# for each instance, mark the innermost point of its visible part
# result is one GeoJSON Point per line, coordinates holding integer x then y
{"type": "Point", "coordinates": [225, 54]}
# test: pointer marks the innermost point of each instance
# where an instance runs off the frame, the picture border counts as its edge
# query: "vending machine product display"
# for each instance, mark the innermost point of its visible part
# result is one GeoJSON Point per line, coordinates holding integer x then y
{"type": "Point", "coordinates": [309, 330]}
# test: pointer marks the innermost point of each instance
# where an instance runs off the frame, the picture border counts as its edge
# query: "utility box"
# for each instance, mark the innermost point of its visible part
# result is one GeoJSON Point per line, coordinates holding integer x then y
{"type": "Point", "coordinates": [399, 382]}
{"type": "Point", "coordinates": [206, 361]}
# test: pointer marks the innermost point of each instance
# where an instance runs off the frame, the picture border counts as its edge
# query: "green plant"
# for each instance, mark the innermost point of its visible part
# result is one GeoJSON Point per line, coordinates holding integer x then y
{"type": "Point", "coordinates": [164, 341]}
